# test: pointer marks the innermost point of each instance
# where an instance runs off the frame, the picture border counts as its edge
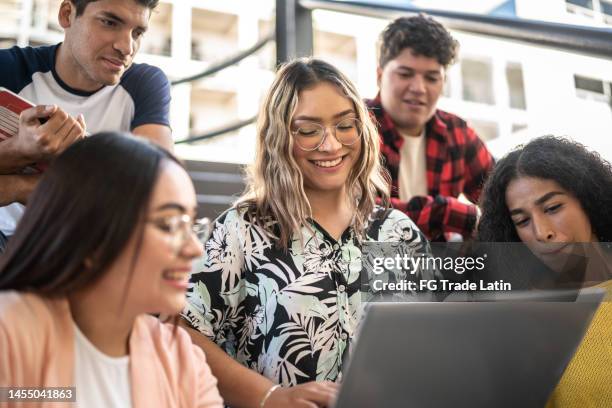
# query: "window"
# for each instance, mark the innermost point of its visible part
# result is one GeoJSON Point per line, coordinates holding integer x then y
{"type": "Point", "coordinates": [157, 40]}
{"type": "Point", "coordinates": [337, 49]}
{"type": "Point", "coordinates": [606, 8]}
{"type": "Point", "coordinates": [593, 89]}
{"type": "Point", "coordinates": [477, 78]}
{"type": "Point", "coordinates": [516, 87]}
{"type": "Point", "coordinates": [589, 84]}
{"type": "Point", "coordinates": [214, 35]}
{"type": "Point", "coordinates": [582, 3]}
{"type": "Point", "coordinates": [518, 127]}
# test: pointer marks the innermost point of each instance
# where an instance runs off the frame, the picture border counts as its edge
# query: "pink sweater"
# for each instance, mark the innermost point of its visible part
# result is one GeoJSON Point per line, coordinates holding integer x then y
{"type": "Point", "coordinates": [37, 349]}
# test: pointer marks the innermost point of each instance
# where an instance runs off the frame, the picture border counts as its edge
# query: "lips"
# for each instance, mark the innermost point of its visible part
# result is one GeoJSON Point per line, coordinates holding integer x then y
{"type": "Point", "coordinates": [328, 163]}
{"type": "Point", "coordinates": [115, 63]}
{"type": "Point", "coordinates": [414, 102]}
{"type": "Point", "coordinates": [178, 278]}
{"type": "Point", "coordinates": [553, 249]}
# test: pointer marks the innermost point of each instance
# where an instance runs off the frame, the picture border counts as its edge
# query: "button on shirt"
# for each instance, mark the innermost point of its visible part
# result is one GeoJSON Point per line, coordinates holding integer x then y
{"type": "Point", "coordinates": [289, 315]}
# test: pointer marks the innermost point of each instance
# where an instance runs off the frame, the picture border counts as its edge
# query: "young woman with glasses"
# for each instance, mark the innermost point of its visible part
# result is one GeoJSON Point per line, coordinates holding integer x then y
{"type": "Point", "coordinates": [279, 286]}
{"type": "Point", "coordinates": [107, 239]}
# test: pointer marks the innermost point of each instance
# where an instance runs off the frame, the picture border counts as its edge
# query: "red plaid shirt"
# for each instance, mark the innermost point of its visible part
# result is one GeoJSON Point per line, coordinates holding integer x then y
{"type": "Point", "coordinates": [457, 162]}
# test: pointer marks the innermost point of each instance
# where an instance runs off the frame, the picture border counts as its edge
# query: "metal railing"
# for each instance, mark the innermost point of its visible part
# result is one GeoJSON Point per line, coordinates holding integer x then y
{"type": "Point", "coordinates": [294, 36]}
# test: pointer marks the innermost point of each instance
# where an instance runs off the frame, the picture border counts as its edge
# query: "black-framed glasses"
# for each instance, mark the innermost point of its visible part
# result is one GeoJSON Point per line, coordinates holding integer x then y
{"type": "Point", "coordinates": [180, 229]}
{"type": "Point", "coordinates": [310, 136]}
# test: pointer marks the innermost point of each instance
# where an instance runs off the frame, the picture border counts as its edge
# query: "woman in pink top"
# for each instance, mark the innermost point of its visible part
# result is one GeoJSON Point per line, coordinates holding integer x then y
{"type": "Point", "coordinates": [107, 239]}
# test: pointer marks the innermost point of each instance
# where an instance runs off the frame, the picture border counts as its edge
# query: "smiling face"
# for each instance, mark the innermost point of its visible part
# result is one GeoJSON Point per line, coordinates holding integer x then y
{"type": "Point", "coordinates": [547, 218]}
{"type": "Point", "coordinates": [410, 87]}
{"type": "Point", "coordinates": [161, 272]}
{"type": "Point", "coordinates": [327, 168]}
{"type": "Point", "coordinates": [101, 43]}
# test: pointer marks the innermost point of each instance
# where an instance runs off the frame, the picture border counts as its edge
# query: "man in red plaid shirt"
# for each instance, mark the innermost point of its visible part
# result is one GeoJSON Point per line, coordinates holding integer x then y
{"type": "Point", "coordinates": [433, 156]}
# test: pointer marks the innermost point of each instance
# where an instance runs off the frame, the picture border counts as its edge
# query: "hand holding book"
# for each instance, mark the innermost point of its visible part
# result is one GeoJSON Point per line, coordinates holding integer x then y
{"type": "Point", "coordinates": [39, 141]}
{"type": "Point", "coordinates": [35, 134]}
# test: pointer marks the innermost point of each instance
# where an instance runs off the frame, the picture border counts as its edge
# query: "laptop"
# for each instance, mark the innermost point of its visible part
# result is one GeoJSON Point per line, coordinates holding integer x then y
{"type": "Point", "coordinates": [490, 354]}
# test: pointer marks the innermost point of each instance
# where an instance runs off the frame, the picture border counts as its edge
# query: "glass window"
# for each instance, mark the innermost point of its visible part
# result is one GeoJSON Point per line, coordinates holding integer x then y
{"type": "Point", "coordinates": [477, 78]}
{"type": "Point", "coordinates": [516, 87]}
{"type": "Point", "coordinates": [518, 127]}
{"type": "Point", "coordinates": [582, 3]}
{"type": "Point", "coordinates": [589, 84]}
{"type": "Point", "coordinates": [606, 8]}
{"type": "Point", "coordinates": [214, 35]}
{"type": "Point", "coordinates": [157, 40]}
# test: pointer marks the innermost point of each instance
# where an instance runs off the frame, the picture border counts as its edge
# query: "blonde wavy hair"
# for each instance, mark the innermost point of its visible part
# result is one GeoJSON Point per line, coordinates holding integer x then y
{"type": "Point", "coordinates": [275, 196]}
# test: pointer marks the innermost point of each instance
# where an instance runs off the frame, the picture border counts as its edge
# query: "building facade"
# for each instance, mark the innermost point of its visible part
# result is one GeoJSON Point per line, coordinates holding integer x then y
{"type": "Point", "coordinates": [509, 91]}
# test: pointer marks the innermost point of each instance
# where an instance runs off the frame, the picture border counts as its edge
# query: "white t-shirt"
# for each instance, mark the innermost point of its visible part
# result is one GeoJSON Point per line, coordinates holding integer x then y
{"type": "Point", "coordinates": [101, 381]}
{"type": "Point", "coordinates": [141, 97]}
{"type": "Point", "coordinates": [412, 179]}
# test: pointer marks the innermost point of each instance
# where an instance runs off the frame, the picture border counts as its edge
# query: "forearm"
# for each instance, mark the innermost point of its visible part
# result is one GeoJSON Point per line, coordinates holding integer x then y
{"type": "Point", "coordinates": [11, 160]}
{"type": "Point", "coordinates": [158, 134]}
{"type": "Point", "coordinates": [239, 386]}
{"type": "Point", "coordinates": [17, 188]}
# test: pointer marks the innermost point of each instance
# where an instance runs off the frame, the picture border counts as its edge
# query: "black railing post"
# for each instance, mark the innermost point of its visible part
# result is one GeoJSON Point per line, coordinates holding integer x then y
{"type": "Point", "coordinates": [293, 31]}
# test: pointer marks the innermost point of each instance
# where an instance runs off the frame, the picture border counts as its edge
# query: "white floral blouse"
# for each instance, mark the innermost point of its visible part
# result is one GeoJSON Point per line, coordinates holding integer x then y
{"type": "Point", "coordinates": [289, 315]}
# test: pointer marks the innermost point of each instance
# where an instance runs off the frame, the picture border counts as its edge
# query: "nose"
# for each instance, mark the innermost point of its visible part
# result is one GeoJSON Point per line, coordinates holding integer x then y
{"type": "Point", "coordinates": [192, 248]}
{"type": "Point", "coordinates": [330, 143]}
{"type": "Point", "coordinates": [543, 229]}
{"type": "Point", "coordinates": [417, 84]}
{"type": "Point", "coordinates": [124, 43]}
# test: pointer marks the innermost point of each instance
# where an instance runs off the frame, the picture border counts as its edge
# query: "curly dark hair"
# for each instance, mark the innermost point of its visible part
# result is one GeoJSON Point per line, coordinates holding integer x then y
{"type": "Point", "coordinates": [582, 173]}
{"type": "Point", "coordinates": [81, 4]}
{"type": "Point", "coordinates": [421, 33]}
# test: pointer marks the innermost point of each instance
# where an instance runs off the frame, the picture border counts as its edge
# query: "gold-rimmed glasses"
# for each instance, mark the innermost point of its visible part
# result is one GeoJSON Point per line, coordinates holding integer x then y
{"type": "Point", "coordinates": [180, 229]}
{"type": "Point", "coordinates": [310, 136]}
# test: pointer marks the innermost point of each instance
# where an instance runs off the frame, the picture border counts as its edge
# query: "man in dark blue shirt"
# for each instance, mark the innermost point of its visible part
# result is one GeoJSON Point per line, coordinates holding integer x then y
{"type": "Point", "coordinates": [87, 83]}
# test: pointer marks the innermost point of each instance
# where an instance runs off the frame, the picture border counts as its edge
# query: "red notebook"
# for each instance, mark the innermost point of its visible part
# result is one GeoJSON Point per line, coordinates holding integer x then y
{"type": "Point", "coordinates": [11, 106]}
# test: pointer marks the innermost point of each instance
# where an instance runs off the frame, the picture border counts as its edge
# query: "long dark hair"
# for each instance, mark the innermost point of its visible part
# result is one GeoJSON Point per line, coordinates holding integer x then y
{"type": "Point", "coordinates": [86, 207]}
{"type": "Point", "coordinates": [582, 173]}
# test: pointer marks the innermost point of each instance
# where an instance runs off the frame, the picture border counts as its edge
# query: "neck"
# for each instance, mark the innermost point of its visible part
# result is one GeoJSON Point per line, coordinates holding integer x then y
{"type": "Point", "coordinates": [412, 132]}
{"type": "Point", "coordinates": [103, 318]}
{"type": "Point", "coordinates": [331, 209]}
{"type": "Point", "coordinates": [71, 73]}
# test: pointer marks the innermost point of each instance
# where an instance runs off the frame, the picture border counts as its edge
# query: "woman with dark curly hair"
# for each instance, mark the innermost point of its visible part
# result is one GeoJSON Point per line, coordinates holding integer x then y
{"type": "Point", "coordinates": [582, 174]}
{"type": "Point", "coordinates": [551, 194]}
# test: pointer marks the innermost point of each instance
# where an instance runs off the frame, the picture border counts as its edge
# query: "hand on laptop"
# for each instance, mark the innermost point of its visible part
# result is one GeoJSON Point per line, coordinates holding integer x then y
{"type": "Point", "coordinates": [309, 395]}
{"type": "Point", "coordinates": [39, 141]}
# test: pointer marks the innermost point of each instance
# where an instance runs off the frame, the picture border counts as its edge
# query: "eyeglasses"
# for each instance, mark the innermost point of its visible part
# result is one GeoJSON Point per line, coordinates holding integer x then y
{"type": "Point", "coordinates": [181, 228]}
{"type": "Point", "coordinates": [311, 135]}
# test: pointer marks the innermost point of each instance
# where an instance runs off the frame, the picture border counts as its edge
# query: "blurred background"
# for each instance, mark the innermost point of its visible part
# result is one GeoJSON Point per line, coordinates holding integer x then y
{"type": "Point", "coordinates": [509, 91]}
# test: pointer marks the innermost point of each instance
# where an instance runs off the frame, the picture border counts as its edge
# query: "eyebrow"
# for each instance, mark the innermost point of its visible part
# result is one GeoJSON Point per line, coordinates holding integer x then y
{"type": "Point", "coordinates": [539, 201]}
{"type": "Point", "coordinates": [316, 119]}
{"type": "Point", "coordinates": [173, 206]}
{"type": "Point", "coordinates": [113, 16]}
{"type": "Point", "coordinates": [430, 72]}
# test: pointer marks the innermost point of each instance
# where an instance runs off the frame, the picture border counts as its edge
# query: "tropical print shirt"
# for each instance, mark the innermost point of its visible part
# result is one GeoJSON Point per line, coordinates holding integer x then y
{"type": "Point", "coordinates": [289, 315]}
